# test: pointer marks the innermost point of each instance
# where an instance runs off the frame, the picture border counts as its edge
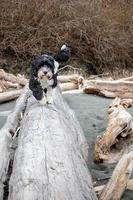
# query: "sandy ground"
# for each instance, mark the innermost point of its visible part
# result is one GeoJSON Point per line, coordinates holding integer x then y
{"type": "Point", "coordinates": [91, 112]}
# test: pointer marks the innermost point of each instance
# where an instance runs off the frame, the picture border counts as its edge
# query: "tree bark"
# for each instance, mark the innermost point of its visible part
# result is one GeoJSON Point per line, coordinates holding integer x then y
{"type": "Point", "coordinates": [50, 158]}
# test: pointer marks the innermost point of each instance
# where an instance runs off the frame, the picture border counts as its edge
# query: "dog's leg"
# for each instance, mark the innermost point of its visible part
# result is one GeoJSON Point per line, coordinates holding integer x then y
{"type": "Point", "coordinates": [43, 101]}
{"type": "Point", "coordinates": [50, 96]}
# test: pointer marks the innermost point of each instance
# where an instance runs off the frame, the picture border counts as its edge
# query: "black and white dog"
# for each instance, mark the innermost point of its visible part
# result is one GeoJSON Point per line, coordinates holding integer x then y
{"type": "Point", "coordinates": [43, 74]}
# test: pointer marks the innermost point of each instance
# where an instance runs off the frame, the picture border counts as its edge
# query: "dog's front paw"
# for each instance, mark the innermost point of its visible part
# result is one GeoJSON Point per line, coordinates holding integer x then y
{"type": "Point", "coordinates": [50, 100]}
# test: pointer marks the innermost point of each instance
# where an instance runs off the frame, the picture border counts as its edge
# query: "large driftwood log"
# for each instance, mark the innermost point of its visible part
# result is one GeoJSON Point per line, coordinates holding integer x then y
{"type": "Point", "coordinates": [50, 158]}
{"type": "Point", "coordinates": [111, 89]}
{"type": "Point", "coordinates": [119, 180]}
{"type": "Point", "coordinates": [99, 189]}
{"type": "Point", "coordinates": [6, 133]}
{"type": "Point", "coordinates": [68, 86]}
{"type": "Point", "coordinates": [74, 78]}
{"type": "Point", "coordinates": [10, 95]}
{"type": "Point", "coordinates": [119, 134]}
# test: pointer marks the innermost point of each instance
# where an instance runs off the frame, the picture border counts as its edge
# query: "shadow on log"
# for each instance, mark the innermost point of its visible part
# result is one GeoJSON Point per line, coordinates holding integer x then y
{"type": "Point", "coordinates": [50, 160]}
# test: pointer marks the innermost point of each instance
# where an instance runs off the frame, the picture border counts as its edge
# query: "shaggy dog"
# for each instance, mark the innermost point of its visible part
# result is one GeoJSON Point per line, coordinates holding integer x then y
{"type": "Point", "coordinates": [43, 75]}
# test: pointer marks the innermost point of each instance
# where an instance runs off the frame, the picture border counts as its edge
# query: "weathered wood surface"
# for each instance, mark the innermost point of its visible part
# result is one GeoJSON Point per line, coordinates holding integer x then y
{"type": "Point", "coordinates": [69, 78]}
{"type": "Point", "coordinates": [6, 134]}
{"type": "Point", "coordinates": [119, 134]}
{"type": "Point", "coordinates": [68, 86]}
{"type": "Point", "coordinates": [12, 78]}
{"type": "Point", "coordinates": [10, 95]}
{"type": "Point", "coordinates": [99, 189]}
{"type": "Point", "coordinates": [50, 158]}
{"type": "Point", "coordinates": [111, 89]}
{"type": "Point", "coordinates": [119, 180]}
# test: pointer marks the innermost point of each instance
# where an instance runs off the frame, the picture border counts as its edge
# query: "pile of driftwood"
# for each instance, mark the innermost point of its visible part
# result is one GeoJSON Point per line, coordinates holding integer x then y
{"type": "Point", "coordinates": [11, 86]}
{"type": "Point", "coordinates": [116, 144]}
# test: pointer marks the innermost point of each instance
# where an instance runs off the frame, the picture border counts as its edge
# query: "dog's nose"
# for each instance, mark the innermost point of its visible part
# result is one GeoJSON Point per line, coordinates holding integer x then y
{"type": "Point", "coordinates": [45, 72]}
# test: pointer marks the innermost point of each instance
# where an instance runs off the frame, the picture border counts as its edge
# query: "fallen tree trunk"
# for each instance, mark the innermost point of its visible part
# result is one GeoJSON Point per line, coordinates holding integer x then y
{"type": "Point", "coordinates": [6, 134]}
{"type": "Point", "coordinates": [119, 134]}
{"type": "Point", "coordinates": [50, 158]}
{"type": "Point", "coordinates": [111, 89]}
{"type": "Point", "coordinates": [68, 78]}
{"type": "Point", "coordinates": [68, 86]}
{"type": "Point", "coordinates": [118, 182]}
{"type": "Point", "coordinates": [10, 95]}
{"type": "Point", "coordinates": [99, 189]}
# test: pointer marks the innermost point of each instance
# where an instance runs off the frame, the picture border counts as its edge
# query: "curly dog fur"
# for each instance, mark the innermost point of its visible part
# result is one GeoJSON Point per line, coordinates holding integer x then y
{"type": "Point", "coordinates": [43, 74]}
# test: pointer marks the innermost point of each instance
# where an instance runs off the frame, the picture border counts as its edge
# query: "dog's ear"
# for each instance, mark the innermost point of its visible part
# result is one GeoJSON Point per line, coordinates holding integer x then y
{"type": "Point", "coordinates": [63, 55]}
{"type": "Point", "coordinates": [35, 65]}
{"type": "Point", "coordinates": [35, 87]}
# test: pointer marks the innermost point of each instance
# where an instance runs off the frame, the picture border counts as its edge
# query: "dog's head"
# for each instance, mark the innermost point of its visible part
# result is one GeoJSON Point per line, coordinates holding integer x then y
{"type": "Point", "coordinates": [46, 67]}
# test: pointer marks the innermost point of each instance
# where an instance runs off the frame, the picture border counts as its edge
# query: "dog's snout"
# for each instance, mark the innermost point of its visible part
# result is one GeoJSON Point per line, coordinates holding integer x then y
{"type": "Point", "coordinates": [45, 72]}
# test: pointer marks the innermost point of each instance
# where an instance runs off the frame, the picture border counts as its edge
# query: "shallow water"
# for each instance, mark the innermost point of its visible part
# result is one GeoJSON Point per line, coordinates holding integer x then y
{"type": "Point", "coordinates": [91, 112]}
